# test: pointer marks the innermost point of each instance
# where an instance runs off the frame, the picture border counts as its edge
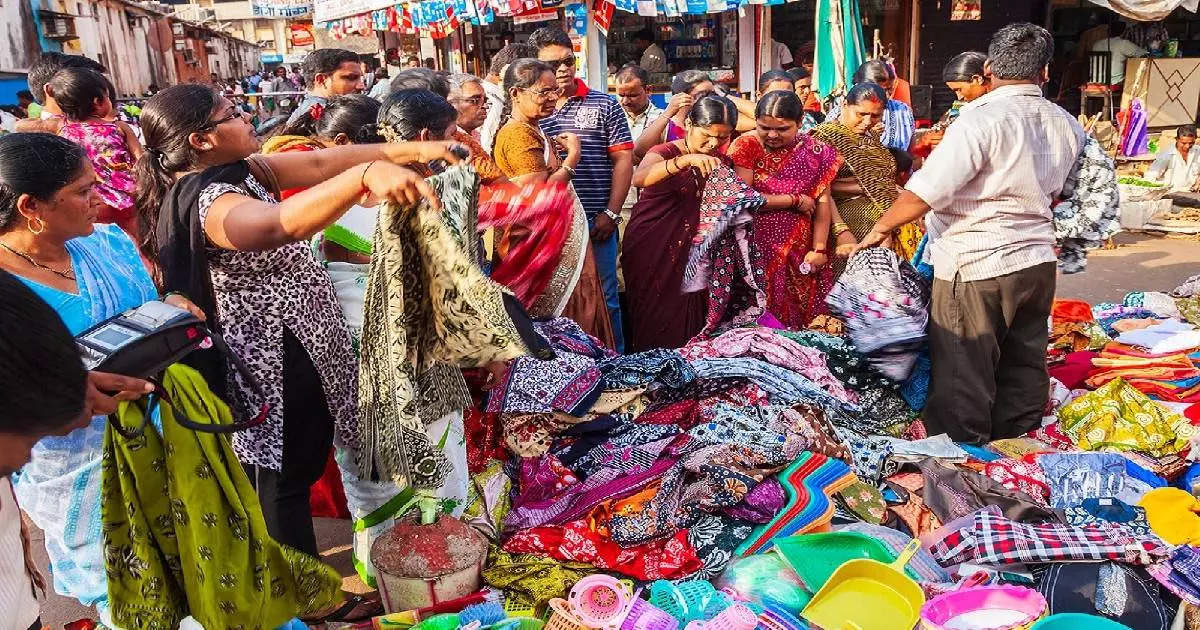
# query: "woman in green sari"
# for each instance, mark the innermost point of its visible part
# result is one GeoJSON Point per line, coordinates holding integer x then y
{"type": "Point", "coordinates": [866, 184]}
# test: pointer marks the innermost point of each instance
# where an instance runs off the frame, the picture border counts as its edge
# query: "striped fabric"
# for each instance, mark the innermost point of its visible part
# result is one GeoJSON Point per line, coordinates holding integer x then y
{"type": "Point", "coordinates": [991, 183]}
{"type": "Point", "coordinates": [600, 124]}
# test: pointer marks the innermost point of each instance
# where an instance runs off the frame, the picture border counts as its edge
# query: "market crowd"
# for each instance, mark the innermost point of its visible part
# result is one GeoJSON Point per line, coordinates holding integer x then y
{"type": "Point", "coordinates": [419, 276]}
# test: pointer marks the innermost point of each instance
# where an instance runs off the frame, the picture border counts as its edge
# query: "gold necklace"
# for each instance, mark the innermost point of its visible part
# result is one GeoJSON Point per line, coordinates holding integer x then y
{"type": "Point", "coordinates": [69, 275]}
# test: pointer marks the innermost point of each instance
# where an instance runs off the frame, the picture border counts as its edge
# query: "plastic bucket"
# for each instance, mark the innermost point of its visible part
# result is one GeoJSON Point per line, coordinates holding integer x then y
{"type": "Point", "coordinates": [1078, 621]}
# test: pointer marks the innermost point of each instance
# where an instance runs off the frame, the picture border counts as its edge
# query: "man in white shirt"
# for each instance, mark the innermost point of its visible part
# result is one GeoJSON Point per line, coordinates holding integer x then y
{"type": "Point", "coordinates": [986, 194]}
{"type": "Point", "coordinates": [1120, 49]}
{"type": "Point", "coordinates": [654, 58]}
{"type": "Point", "coordinates": [1179, 168]}
{"type": "Point", "coordinates": [781, 56]}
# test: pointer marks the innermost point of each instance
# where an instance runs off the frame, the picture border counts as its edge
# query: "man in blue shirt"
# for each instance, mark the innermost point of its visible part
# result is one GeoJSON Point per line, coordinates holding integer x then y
{"type": "Point", "coordinates": [606, 157]}
{"type": "Point", "coordinates": [329, 72]}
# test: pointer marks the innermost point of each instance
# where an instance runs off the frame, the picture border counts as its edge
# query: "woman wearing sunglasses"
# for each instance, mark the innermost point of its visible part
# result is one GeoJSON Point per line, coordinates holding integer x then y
{"type": "Point", "coordinates": [219, 237]}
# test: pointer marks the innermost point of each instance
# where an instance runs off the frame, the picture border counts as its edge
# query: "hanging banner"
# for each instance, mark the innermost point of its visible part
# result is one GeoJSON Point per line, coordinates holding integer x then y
{"type": "Point", "coordinates": [602, 13]}
{"type": "Point", "coordinates": [576, 20]}
{"type": "Point", "coordinates": [329, 10]}
{"type": "Point", "coordinates": [281, 8]}
{"type": "Point", "coordinates": [301, 34]}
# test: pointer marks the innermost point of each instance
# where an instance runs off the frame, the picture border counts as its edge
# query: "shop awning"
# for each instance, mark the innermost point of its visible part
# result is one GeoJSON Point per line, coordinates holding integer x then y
{"type": "Point", "coordinates": [1147, 10]}
{"type": "Point", "coordinates": [840, 48]}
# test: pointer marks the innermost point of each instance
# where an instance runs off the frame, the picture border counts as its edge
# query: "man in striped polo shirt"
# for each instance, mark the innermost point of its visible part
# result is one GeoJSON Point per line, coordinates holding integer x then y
{"type": "Point", "coordinates": [606, 157]}
{"type": "Point", "coordinates": [990, 184]}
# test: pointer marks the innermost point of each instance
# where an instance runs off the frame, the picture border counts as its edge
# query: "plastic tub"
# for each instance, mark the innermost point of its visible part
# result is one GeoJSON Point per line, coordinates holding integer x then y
{"type": "Point", "coordinates": [1078, 621]}
{"type": "Point", "coordinates": [735, 617]}
{"type": "Point", "coordinates": [984, 608]}
{"type": "Point", "coordinates": [519, 623]}
{"type": "Point", "coordinates": [814, 557]}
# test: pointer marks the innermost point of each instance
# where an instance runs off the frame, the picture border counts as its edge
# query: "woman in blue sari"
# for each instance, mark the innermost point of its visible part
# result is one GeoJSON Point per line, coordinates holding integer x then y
{"type": "Point", "coordinates": [87, 273]}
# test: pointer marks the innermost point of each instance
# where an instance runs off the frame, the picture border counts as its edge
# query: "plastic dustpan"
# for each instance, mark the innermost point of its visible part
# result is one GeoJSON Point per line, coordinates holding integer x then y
{"type": "Point", "coordinates": [866, 594]}
{"type": "Point", "coordinates": [814, 557]}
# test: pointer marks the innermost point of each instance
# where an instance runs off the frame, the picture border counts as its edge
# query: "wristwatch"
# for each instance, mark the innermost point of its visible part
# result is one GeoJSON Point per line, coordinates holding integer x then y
{"type": "Point", "coordinates": [616, 218]}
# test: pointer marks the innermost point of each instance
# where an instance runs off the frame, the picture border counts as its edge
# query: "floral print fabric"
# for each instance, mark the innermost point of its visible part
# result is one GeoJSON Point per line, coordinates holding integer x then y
{"type": "Point", "coordinates": [1117, 416]}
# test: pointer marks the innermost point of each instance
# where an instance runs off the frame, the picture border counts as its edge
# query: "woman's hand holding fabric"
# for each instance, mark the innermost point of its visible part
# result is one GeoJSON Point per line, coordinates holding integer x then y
{"type": "Point", "coordinates": [424, 152]}
{"type": "Point", "coordinates": [706, 164]}
{"type": "Point", "coordinates": [390, 182]}
{"type": "Point", "coordinates": [816, 260]}
{"type": "Point", "coordinates": [846, 244]}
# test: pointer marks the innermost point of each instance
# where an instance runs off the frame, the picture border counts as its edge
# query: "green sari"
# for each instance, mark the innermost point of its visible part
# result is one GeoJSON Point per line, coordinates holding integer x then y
{"type": "Point", "coordinates": [183, 529]}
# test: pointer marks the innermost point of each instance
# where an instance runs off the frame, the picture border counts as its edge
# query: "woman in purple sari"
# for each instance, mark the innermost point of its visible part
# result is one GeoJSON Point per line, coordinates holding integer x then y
{"type": "Point", "coordinates": [659, 236]}
{"type": "Point", "coordinates": [791, 232]}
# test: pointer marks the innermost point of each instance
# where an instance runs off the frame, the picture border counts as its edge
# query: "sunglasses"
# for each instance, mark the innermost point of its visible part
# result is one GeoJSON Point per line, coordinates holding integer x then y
{"type": "Point", "coordinates": [565, 61]}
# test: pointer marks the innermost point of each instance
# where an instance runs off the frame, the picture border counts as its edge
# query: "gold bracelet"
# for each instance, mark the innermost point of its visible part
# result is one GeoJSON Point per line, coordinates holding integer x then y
{"type": "Point", "coordinates": [839, 229]}
{"type": "Point", "coordinates": [667, 166]}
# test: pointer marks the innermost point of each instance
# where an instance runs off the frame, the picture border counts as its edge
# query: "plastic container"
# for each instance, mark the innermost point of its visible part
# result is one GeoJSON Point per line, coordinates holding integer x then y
{"type": "Point", "coordinates": [984, 608]}
{"type": "Point", "coordinates": [666, 597]}
{"type": "Point", "coordinates": [486, 614]}
{"type": "Point", "coordinates": [513, 608]}
{"type": "Point", "coordinates": [698, 596]}
{"type": "Point", "coordinates": [814, 557]}
{"type": "Point", "coordinates": [774, 618]}
{"type": "Point", "coordinates": [646, 616]}
{"type": "Point", "coordinates": [1078, 621]}
{"type": "Point", "coordinates": [561, 617]}
{"type": "Point", "coordinates": [519, 623]}
{"type": "Point", "coordinates": [600, 601]}
{"type": "Point", "coordinates": [869, 595]}
{"type": "Point", "coordinates": [444, 621]}
{"type": "Point", "coordinates": [735, 617]}
{"type": "Point", "coordinates": [717, 603]}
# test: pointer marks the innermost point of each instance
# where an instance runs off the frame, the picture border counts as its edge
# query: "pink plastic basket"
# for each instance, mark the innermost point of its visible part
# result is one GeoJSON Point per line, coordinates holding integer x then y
{"type": "Point", "coordinates": [600, 601]}
{"type": "Point", "coordinates": [646, 616]}
{"type": "Point", "coordinates": [1025, 605]}
{"type": "Point", "coordinates": [735, 617]}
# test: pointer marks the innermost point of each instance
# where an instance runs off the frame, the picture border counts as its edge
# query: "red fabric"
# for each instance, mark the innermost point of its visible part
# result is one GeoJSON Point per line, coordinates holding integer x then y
{"type": "Point", "coordinates": [544, 214]}
{"type": "Point", "coordinates": [1193, 414]}
{"type": "Point", "coordinates": [292, 191]}
{"type": "Point", "coordinates": [1074, 370]}
{"type": "Point", "coordinates": [666, 559]}
{"type": "Point", "coordinates": [328, 498]}
{"type": "Point", "coordinates": [1071, 311]}
{"type": "Point", "coordinates": [1019, 475]}
{"type": "Point", "coordinates": [685, 413]}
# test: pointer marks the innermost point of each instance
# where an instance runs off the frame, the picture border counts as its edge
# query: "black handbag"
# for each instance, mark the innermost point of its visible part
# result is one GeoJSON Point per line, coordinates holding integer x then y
{"type": "Point", "coordinates": [142, 342]}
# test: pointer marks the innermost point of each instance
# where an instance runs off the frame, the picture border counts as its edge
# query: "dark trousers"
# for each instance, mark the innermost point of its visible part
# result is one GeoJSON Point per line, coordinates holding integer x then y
{"type": "Point", "coordinates": [307, 438]}
{"type": "Point", "coordinates": [987, 342]}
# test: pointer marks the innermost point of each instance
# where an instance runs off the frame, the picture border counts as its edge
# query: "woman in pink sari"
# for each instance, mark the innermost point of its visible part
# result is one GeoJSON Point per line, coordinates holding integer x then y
{"type": "Point", "coordinates": [793, 171]}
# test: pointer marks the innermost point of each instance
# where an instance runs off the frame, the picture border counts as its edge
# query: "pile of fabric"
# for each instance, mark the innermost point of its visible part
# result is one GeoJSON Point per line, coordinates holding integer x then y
{"type": "Point", "coordinates": [660, 465]}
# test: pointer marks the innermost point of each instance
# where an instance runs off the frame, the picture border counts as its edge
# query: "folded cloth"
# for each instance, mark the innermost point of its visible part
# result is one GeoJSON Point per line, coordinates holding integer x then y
{"type": "Point", "coordinates": [529, 579]}
{"type": "Point", "coordinates": [1187, 288]}
{"type": "Point", "coordinates": [1119, 417]}
{"type": "Point", "coordinates": [1076, 477]}
{"type": "Point", "coordinates": [1074, 370]}
{"type": "Point", "coordinates": [1071, 311]}
{"type": "Point", "coordinates": [1110, 512]}
{"type": "Point", "coordinates": [654, 368]}
{"type": "Point", "coordinates": [1180, 574]}
{"type": "Point", "coordinates": [1169, 336]}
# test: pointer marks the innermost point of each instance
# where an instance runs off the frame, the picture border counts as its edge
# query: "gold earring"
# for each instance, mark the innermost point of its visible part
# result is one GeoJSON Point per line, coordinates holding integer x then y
{"type": "Point", "coordinates": [41, 226]}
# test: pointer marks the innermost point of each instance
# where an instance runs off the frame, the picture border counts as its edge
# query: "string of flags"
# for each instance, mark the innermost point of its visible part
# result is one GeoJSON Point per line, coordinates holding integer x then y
{"type": "Point", "coordinates": [439, 18]}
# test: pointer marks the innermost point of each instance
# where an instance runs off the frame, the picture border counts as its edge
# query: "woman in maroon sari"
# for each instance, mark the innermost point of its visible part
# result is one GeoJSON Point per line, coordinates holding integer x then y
{"type": "Point", "coordinates": [791, 233]}
{"type": "Point", "coordinates": [659, 236]}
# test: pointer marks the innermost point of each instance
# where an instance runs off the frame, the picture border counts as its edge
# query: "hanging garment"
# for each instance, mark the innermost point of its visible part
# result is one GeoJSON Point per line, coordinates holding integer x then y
{"type": "Point", "coordinates": [183, 530]}
{"type": "Point", "coordinates": [1089, 214]}
{"type": "Point", "coordinates": [429, 310]}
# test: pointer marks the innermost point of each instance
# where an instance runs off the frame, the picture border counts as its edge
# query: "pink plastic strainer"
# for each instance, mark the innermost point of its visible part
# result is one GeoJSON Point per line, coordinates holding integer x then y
{"type": "Point", "coordinates": [600, 601]}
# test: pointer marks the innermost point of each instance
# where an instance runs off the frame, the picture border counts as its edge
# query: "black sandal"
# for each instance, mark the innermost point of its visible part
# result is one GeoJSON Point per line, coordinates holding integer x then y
{"type": "Point", "coordinates": [343, 613]}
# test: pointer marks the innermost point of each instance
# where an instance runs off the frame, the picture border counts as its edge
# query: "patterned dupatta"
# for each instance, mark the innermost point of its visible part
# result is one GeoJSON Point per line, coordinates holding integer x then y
{"type": "Point", "coordinates": [428, 310]}
{"type": "Point", "coordinates": [872, 163]}
{"type": "Point", "coordinates": [723, 257]}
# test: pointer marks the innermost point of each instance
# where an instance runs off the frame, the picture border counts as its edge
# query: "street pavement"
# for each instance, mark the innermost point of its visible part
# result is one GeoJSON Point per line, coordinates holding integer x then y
{"type": "Point", "coordinates": [1139, 262]}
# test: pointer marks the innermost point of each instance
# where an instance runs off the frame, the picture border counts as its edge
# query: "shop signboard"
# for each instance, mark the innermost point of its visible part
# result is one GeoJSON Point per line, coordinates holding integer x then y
{"type": "Point", "coordinates": [329, 10]}
{"type": "Point", "coordinates": [300, 34]}
{"type": "Point", "coordinates": [282, 8]}
{"type": "Point", "coordinates": [602, 11]}
{"type": "Point", "coordinates": [269, 58]}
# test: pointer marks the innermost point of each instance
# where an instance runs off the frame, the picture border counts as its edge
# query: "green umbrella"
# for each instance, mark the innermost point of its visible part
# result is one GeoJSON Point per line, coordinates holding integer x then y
{"type": "Point", "coordinates": [840, 49]}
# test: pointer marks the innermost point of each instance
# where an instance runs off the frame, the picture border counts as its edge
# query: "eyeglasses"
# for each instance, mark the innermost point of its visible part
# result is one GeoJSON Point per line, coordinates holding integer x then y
{"type": "Point", "coordinates": [565, 61]}
{"type": "Point", "coordinates": [213, 124]}
{"type": "Point", "coordinates": [544, 93]}
{"type": "Point", "coordinates": [471, 100]}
